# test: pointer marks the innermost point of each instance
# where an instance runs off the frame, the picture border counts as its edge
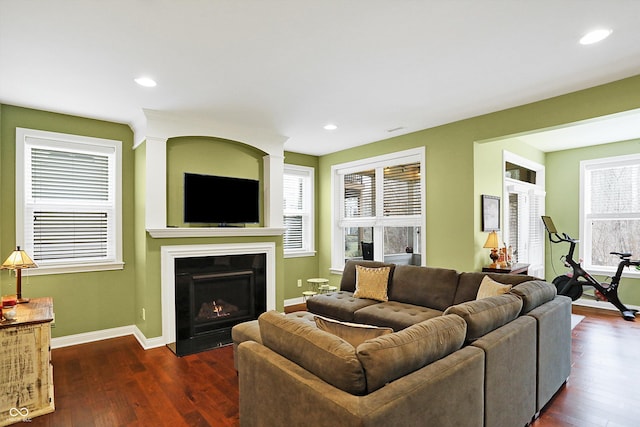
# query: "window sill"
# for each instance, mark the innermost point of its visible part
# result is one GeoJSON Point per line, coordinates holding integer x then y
{"type": "Point", "coordinates": [630, 273]}
{"type": "Point", "coordinates": [299, 254]}
{"type": "Point", "coordinates": [66, 269]}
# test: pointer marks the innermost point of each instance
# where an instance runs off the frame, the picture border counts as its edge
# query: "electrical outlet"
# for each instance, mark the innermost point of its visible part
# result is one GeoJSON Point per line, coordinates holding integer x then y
{"type": "Point", "coordinates": [144, 314]}
{"type": "Point", "coordinates": [53, 322]}
{"type": "Point", "coordinates": [299, 283]}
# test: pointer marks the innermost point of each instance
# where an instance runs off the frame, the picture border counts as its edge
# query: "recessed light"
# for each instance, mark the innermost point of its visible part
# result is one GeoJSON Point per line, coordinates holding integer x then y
{"type": "Point", "coordinates": [595, 36]}
{"type": "Point", "coordinates": [330, 126]}
{"type": "Point", "coordinates": [145, 81]}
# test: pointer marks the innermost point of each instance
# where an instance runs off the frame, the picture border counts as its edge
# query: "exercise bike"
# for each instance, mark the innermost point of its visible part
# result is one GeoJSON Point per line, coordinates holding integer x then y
{"type": "Point", "coordinates": [571, 284]}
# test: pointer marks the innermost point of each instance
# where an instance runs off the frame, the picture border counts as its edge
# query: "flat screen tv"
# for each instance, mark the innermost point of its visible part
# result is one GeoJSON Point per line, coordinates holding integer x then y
{"type": "Point", "coordinates": [211, 199]}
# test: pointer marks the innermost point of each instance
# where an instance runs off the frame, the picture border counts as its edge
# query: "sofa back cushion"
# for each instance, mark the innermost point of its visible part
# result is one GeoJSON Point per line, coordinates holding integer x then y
{"type": "Point", "coordinates": [426, 286]}
{"type": "Point", "coordinates": [487, 314]}
{"type": "Point", "coordinates": [325, 355]}
{"type": "Point", "coordinates": [393, 356]}
{"type": "Point", "coordinates": [534, 293]}
{"type": "Point", "coordinates": [353, 333]}
{"type": "Point", "coordinates": [348, 281]}
{"type": "Point", "coordinates": [469, 283]}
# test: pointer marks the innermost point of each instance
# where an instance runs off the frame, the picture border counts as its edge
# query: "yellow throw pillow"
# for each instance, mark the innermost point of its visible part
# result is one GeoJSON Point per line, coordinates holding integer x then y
{"type": "Point", "coordinates": [372, 283]}
{"type": "Point", "coordinates": [353, 333]}
{"type": "Point", "coordinates": [490, 288]}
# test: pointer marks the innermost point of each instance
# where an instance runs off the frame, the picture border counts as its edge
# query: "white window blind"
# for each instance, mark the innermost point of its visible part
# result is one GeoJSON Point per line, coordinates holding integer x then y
{"type": "Point", "coordinates": [70, 201]}
{"type": "Point", "coordinates": [61, 233]}
{"type": "Point", "coordinates": [297, 210]}
{"type": "Point", "coordinates": [360, 194]}
{"type": "Point", "coordinates": [402, 190]}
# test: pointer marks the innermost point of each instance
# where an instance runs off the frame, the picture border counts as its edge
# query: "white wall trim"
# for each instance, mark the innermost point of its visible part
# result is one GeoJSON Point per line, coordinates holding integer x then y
{"type": "Point", "coordinates": [87, 337]}
{"type": "Point", "coordinates": [105, 334]}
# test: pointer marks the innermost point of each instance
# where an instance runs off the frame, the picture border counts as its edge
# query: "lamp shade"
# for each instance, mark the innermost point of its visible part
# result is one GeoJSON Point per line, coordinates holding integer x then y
{"type": "Point", "coordinates": [17, 260]}
{"type": "Point", "coordinates": [492, 240]}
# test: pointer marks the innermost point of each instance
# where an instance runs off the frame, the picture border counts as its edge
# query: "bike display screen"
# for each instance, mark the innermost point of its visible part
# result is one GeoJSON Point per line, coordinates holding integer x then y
{"type": "Point", "coordinates": [548, 224]}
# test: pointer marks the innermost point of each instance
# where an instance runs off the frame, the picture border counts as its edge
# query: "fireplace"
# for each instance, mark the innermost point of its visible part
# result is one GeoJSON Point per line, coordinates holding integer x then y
{"type": "Point", "coordinates": [213, 288]}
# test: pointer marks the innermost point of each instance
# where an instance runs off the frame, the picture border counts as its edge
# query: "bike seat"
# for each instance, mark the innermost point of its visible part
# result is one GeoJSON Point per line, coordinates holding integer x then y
{"type": "Point", "coordinates": [621, 254]}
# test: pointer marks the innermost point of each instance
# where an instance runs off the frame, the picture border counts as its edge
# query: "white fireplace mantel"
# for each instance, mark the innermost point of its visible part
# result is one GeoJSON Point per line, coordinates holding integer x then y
{"type": "Point", "coordinates": [168, 255]}
{"type": "Point", "coordinates": [178, 232]}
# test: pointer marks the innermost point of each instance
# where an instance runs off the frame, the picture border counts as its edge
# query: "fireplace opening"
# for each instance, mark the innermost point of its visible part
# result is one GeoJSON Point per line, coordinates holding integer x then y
{"type": "Point", "coordinates": [214, 293]}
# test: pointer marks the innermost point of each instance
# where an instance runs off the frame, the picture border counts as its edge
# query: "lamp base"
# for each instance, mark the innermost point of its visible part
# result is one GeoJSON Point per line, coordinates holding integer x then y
{"type": "Point", "coordinates": [494, 257]}
{"type": "Point", "coordinates": [22, 300]}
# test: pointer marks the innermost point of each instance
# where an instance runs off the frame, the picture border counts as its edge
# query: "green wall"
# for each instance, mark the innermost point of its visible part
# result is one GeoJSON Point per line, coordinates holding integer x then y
{"type": "Point", "coordinates": [208, 156]}
{"type": "Point", "coordinates": [83, 302]}
{"type": "Point", "coordinates": [488, 179]}
{"type": "Point", "coordinates": [455, 181]}
{"type": "Point", "coordinates": [459, 169]}
{"type": "Point", "coordinates": [563, 204]}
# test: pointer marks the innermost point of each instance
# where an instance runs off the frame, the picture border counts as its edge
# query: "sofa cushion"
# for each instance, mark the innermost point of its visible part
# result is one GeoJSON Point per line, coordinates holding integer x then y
{"type": "Point", "coordinates": [487, 314]}
{"type": "Point", "coordinates": [489, 288]}
{"type": "Point", "coordinates": [534, 293]}
{"type": "Point", "coordinates": [396, 315]}
{"type": "Point", "coordinates": [325, 355]}
{"type": "Point", "coordinates": [372, 282]}
{"type": "Point", "coordinates": [353, 333]}
{"type": "Point", "coordinates": [469, 282]}
{"type": "Point", "coordinates": [339, 305]}
{"type": "Point", "coordinates": [348, 281]}
{"type": "Point", "coordinates": [392, 356]}
{"type": "Point", "coordinates": [426, 286]}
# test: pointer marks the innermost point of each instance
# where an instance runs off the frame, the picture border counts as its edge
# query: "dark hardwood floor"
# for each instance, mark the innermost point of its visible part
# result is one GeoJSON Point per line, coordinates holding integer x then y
{"type": "Point", "coordinates": [117, 383]}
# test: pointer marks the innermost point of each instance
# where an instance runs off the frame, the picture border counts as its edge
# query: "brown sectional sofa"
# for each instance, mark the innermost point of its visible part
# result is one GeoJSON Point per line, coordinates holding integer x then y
{"type": "Point", "coordinates": [452, 360]}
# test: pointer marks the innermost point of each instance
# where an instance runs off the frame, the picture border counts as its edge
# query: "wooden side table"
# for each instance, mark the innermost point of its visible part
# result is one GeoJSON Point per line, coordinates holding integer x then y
{"type": "Point", "coordinates": [26, 377]}
{"type": "Point", "coordinates": [513, 269]}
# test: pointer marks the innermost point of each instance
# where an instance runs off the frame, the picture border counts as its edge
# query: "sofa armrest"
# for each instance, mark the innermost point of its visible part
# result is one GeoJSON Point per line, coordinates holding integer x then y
{"type": "Point", "coordinates": [276, 391]}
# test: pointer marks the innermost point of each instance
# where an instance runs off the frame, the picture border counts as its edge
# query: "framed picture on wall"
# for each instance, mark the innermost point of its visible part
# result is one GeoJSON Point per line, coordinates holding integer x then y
{"type": "Point", "coordinates": [490, 213]}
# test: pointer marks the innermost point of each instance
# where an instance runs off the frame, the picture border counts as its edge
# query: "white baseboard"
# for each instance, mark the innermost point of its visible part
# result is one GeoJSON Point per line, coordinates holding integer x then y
{"type": "Point", "coordinates": [105, 334]}
{"type": "Point", "coordinates": [293, 301]}
{"type": "Point", "coordinates": [604, 305]}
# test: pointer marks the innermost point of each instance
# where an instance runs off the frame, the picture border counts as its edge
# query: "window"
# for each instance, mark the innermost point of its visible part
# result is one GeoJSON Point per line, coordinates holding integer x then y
{"type": "Point", "coordinates": [610, 211]}
{"type": "Point", "coordinates": [298, 211]}
{"type": "Point", "coordinates": [379, 209]}
{"type": "Point", "coordinates": [68, 209]}
{"type": "Point", "coordinates": [524, 183]}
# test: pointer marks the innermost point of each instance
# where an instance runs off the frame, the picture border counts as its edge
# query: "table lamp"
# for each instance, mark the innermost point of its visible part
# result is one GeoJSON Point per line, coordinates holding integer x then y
{"type": "Point", "coordinates": [17, 261]}
{"type": "Point", "coordinates": [493, 243]}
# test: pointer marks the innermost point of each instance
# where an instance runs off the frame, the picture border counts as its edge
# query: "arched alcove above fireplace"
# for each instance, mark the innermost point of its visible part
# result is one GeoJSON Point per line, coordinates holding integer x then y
{"type": "Point", "coordinates": [161, 126]}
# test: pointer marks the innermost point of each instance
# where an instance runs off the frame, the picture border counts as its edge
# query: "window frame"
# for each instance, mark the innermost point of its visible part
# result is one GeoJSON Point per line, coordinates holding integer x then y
{"type": "Point", "coordinates": [31, 138]}
{"type": "Point", "coordinates": [339, 222]}
{"type": "Point", "coordinates": [307, 212]}
{"type": "Point", "coordinates": [585, 217]}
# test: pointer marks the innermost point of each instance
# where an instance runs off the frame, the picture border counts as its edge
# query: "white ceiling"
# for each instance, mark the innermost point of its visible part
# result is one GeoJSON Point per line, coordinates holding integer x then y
{"type": "Point", "coordinates": [290, 66]}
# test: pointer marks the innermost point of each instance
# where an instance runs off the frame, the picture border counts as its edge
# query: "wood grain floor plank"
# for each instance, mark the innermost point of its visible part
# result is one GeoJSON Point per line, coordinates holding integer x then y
{"type": "Point", "coordinates": [117, 383]}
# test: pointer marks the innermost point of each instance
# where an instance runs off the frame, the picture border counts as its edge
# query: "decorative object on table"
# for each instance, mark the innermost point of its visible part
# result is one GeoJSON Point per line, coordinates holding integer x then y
{"type": "Point", "coordinates": [503, 260]}
{"type": "Point", "coordinates": [9, 307]}
{"type": "Point", "coordinates": [9, 313]}
{"type": "Point", "coordinates": [493, 243]}
{"type": "Point", "coordinates": [490, 213]}
{"type": "Point", "coordinates": [17, 261]}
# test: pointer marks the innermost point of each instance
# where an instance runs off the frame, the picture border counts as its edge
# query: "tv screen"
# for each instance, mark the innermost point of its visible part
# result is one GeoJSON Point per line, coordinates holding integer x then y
{"type": "Point", "coordinates": [220, 199]}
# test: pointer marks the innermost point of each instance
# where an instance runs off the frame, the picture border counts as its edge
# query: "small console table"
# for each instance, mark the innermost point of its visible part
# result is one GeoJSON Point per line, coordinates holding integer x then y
{"type": "Point", "coordinates": [26, 377]}
{"type": "Point", "coordinates": [513, 269]}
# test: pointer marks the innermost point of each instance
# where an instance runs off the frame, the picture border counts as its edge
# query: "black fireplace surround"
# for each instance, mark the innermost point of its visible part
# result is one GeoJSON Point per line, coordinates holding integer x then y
{"type": "Point", "coordinates": [214, 293]}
